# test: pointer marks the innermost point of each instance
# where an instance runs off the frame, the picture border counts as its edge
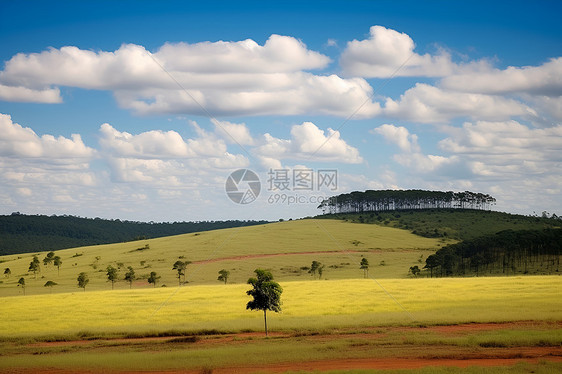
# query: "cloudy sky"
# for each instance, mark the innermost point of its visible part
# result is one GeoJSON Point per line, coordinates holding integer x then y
{"type": "Point", "coordinates": [141, 110]}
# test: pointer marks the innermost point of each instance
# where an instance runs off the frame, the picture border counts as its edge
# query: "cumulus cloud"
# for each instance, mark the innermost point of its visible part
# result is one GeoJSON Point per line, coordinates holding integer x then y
{"type": "Point", "coordinates": [411, 155]}
{"type": "Point", "coordinates": [400, 136]}
{"type": "Point", "coordinates": [23, 142]}
{"type": "Point", "coordinates": [164, 157]}
{"type": "Point", "coordinates": [424, 103]}
{"type": "Point", "coordinates": [237, 133]}
{"type": "Point", "coordinates": [389, 53]}
{"type": "Point", "coordinates": [543, 80]}
{"type": "Point", "coordinates": [308, 142]}
{"type": "Point", "coordinates": [24, 94]}
{"type": "Point", "coordinates": [222, 78]}
{"type": "Point", "coordinates": [509, 148]}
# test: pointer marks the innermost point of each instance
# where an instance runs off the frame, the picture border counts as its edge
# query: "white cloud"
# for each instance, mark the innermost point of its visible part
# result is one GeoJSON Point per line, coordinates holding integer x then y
{"type": "Point", "coordinates": [24, 94]}
{"type": "Point", "coordinates": [507, 149]}
{"type": "Point", "coordinates": [309, 143]}
{"type": "Point", "coordinates": [389, 53]}
{"type": "Point", "coordinates": [279, 54]}
{"type": "Point", "coordinates": [424, 103]}
{"type": "Point", "coordinates": [23, 142]}
{"type": "Point", "coordinates": [222, 78]}
{"type": "Point", "coordinates": [411, 155]}
{"type": "Point", "coordinates": [236, 133]}
{"type": "Point", "coordinates": [400, 136]}
{"type": "Point", "coordinates": [544, 80]}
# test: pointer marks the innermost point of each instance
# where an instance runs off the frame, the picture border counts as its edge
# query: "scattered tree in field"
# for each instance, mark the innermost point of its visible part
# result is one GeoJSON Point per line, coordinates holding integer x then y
{"type": "Point", "coordinates": [111, 275]}
{"type": "Point", "coordinates": [7, 272]}
{"type": "Point", "coordinates": [180, 266]}
{"type": "Point", "coordinates": [49, 258]}
{"type": "Point", "coordinates": [34, 266]}
{"type": "Point", "coordinates": [130, 276]}
{"type": "Point", "coordinates": [415, 270]}
{"type": "Point", "coordinates": [21, 283]}
{"type": "Point", "coordinates": [314, 268]}
{"type": "Point", "coordinates": [50, 284]}
{"type": "Point", "coordinates": [83, 280]}
{"type": "Point", "coordinates": [365, 266]}
{"type": "Point", "coordinates": [57, 262]}
{"type": "Point", "coordinates": [223, 275]}
{"type": "Point", "coordinates": [320, 271]}
{"type": "Point", "coordinates": [153, 278]}
{"type": "Point", "coordinates": [266, 294]}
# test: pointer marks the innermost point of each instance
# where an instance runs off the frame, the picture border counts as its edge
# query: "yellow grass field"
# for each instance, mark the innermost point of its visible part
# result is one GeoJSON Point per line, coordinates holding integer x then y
{"type": "Point", "coordinates": [399, 249]}
{"type": "Point", "coordinates": [306, 305]}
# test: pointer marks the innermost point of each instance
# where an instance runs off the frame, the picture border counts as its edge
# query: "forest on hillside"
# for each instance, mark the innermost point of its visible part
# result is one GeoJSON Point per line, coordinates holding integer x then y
{"type": "Point", "coordinates": [388, 200]}
{"type": "Point", "coordinates": [20, 233]}
{"type": "Point", "coordinates": [506, 252]}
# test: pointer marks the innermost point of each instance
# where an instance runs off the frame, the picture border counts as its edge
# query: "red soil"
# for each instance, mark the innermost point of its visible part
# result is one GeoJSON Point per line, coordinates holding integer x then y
{"type": "Point", "coordinates": [411, 357]}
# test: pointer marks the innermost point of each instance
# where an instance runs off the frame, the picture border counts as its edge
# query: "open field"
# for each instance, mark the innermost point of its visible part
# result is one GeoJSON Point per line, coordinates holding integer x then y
{"type": "Point", "coordinates": [339, 245]}
{"type": "Point", "coordinates": [306, 305]}
{"type": "Point", "coordinates": [330, 324]}
{"type": "Point", "coordinates": [341, 323]}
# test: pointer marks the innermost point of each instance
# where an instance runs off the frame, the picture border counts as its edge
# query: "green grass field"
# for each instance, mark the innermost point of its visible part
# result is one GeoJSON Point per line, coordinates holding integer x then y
{"type": "Point", "coordinates": [398, 248]}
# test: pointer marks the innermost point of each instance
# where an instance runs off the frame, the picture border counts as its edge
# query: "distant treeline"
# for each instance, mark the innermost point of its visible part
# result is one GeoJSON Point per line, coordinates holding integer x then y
{"type": "Point", "coordinates": [506, 252]}
{"type": "Point", "coordinates": [385, 200]}
{"type": "Point", "coordinates": [21, 233]}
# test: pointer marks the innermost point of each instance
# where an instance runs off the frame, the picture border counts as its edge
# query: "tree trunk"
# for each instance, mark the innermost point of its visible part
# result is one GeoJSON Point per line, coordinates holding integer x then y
{"type": "Point", "coordinates": [265, 320]}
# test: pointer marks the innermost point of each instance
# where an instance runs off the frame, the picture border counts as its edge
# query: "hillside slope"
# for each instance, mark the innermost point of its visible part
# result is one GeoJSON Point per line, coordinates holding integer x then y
{"type": "Point", "coordinates": [283, 247]}
{"type": "Point", "coordinates": [458, 224]}
{"type": "Point", "coordinates": [20, 233]}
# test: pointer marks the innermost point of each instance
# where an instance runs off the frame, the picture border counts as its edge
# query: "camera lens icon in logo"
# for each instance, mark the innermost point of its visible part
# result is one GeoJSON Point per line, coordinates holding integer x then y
{"type": "Point", "coordinates": [243, 186]}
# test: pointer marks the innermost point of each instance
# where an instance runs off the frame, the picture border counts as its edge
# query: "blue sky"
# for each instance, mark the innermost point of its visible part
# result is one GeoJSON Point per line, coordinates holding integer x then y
{"type": "Point", "coordinates": [432, 95]}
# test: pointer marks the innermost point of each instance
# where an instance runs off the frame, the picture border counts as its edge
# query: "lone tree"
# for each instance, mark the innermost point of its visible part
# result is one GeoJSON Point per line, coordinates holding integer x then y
{"type": "Point", "coordinates": [111, 275]}
{"type": "Point", "coordinates": [130, 276]}
{"type": "Point", "coordinates": [415, 270]}
{"type": "Point", "coordinates": [153, 278]}
{"type": "Point", "coordinates": [314, 268]}
{"type": "Point", "coordinates": [365, 266]}
{"type": "Point", "coordinates": [21, 283]}
{"type": "Point", "coordinates": [83, 280]}
{"type": "Point", "coordinates": [180, 266]}
{"type": "Point", "coordinates": [7, 272]}
{"type": "Point", "coordinates": [266, 294]}
{"type": "Point", "coordinates": [34, 266]}
{"type": "Point", "coordinates": [223, 275]}
{"type": "Point", "coordinates": [57, 262]}
{"type": "Point", "coordinates": [50, 284]}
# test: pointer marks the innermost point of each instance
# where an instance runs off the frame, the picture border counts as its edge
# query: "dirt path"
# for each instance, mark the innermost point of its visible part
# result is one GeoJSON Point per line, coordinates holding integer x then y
{"type": "Point", "coordinates": [376, 364]}
{"type": "Point", "coordinates": [246, 257]}
{"type": "Point", "coordinates": [460, 329]}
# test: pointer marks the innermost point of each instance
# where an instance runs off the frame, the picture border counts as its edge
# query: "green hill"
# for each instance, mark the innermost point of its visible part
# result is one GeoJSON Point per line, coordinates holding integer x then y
{"type": "Point", "coordinates": [20, 233]}
{"type": "Point", "coordinates": [286, 248]}
{"type": "Point", "coordinates": [458, 224]}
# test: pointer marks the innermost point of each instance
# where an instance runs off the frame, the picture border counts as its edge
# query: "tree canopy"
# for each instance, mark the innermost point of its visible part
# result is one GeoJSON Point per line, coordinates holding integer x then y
{"type": "Point", "coordinates": [83, 280]}
{"type": "Point", "coordinates": [266, 294]}
{"type": "Point", "coordinates": [223, 275]}
{"type": "Point", "coordinates": [384, 200]}
{"type": "Point", "coordinates": [506, 251]}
